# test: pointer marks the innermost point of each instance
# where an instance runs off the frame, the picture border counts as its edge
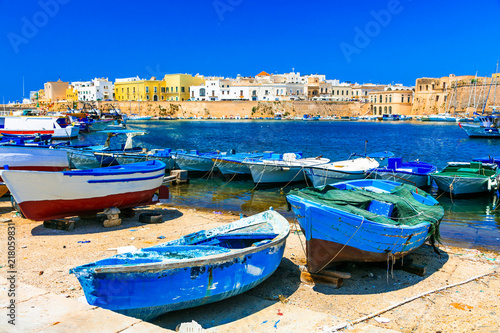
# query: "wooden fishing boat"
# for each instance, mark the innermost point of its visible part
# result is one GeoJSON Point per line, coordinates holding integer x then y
{"type": "Point", "coordinates": [364, 220]}
{"type": "Point", "coordinates": [281, 168]}
{"type": "Point", "coordinates": [352, 168]}
{"type": "Point", "coordinates": [45, 196]}
{"type": "Point", "coordinates": [32, 158]}
{"type": "Point", "coordinates": [3, 189]}
{"type": "Point", "coordinates": [199, 268]}
{"type": "Point", "coordinates": [234, 164]}
{"type": "Point", "coordinates": [413, 172]}
{"type": "Point", "coordinates": [194, 161]}
{"type": "Point", "coordinates": [460, 178]}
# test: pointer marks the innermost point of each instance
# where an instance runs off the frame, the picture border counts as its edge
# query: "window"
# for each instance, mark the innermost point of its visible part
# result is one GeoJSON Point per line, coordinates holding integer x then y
{"type": "Point", "coordinates": [202, 92]}
{"type": "Point", "coordinates": [437, 98]}
{"type": "Point", "coordinates": [426, 87]}
{"type": "Point", "coordinates": [176, 89]}
{"type": "Point", "coordinates": [147, 90]}
{"type": "Point", "coordinates": [386, 98]}
{"type": "Point", "coordinates": [182, 89]}
{"type": "Point", "coordinates": [147, 96]}
{"type": "Point", "coordinates": [127, 91]}
{"type": "Point", "coordinates": [385, 109]}
{"type": "Point", "coordinates": [444, 85]}
{"type": "Point", "coordinates": [342, 93]}
{"type": "Point", "coordinates": [167, 90]}
{"type": "Point", "coordinates": [433, 86]}
{"type": "Point", "coordinates": [390, 109]}
{"type": "Point", "coordinates": [379, 110]}
{"type": "Point", "coordinates": [409, 98]}
{"type": "Point", "coordinates": [380, 100]}
{"type": "Point", "coordinates": [241, 92]}
{"type": "Point", "coordinates": [390, 98]}
{"type": "Point", "coordinates": [162, 89]}
{"type": "Point", "coordinates": [402, 99]}
{"type": "Point", "coordinates": [156, 90]}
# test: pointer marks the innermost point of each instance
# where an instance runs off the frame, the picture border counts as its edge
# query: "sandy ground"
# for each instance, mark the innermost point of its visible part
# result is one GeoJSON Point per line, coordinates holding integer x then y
{"type": "Point", "coordinates": [281, 303]}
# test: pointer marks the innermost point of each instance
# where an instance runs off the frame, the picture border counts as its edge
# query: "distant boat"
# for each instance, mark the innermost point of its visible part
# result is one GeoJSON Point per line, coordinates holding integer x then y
{"type": "Point", "coordinates": [44, 196]}
{"type": "Point", "coordinates": [364, 221]}
{"type": "Point", "coordinates": [488, 127]}
{"type": "Point", "coordinates": [58, 127]}
{"type": "Point", "coordinates": [134, 117]}
{"type": "Point", "coordinates": [199, 268]}
{"type": "Point", "coordinates": [415, 173]}
{"type": "Point", "coordinates": [460, 178]}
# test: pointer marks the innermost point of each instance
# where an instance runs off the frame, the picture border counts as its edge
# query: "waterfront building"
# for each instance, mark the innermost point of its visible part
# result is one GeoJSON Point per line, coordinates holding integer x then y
{"type": "Point", "coordinates": [55, 90]}
{"type": "Point", "coordinates": [177, 86]}
{"type": "Point", "coordinates": [391, 101]}
{"type": "Point", "coordinates": [463, 94]}
{"type": "Point", "coordinates": [99, 89]}
{"type": "Point", "coordinates": [71, 94]}
{"type": "Point", "coordinates": [136, 89]}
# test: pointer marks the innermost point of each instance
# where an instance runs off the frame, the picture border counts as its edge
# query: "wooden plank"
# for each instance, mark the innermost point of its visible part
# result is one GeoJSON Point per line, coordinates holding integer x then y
{"type": "Point", "coordinates": [328, 272]}
{"type": "Point", "coordinates": [309, 278]}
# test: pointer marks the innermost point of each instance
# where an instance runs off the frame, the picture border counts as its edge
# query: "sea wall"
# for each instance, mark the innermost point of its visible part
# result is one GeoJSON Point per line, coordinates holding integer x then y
{"type": "Point", "coordinates": [241, 108]}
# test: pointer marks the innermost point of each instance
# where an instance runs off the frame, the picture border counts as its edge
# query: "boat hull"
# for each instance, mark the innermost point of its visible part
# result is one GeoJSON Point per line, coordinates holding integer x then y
{"type": "Point", "coordinates": [181, 288]}
{"type": "Point", "coordinates": [478, 131]}
{"type": "Point", "coordinates": [50, 195]}
{"type": "Point", "coordinates": [457, 185]}
{"type": "Point", "coordinates": [402, 177]}
{"type": "Point", "coordinates": [320, 177]}
{"type": "Point", "coordinates": [273, 174]}
{"type": "Point", "coordinates": [31, 158]}
{"type": "Point", "coordinates": [194, 270]}
{"type": "Point", "coordinates": [195, 163]}
{"type": "Point", "coordinates": [334, 236]}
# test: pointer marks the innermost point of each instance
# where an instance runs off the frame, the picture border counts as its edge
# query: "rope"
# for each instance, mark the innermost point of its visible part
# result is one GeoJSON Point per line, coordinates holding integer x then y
{"type": "Point", "coordinates": [331, 260]}
{"type": "Point", "coordinates": [357, 321]}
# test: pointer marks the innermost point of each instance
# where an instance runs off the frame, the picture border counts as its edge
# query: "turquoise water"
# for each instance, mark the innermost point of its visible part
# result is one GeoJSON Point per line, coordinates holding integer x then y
{"type": "Point", "coordinates": [469, 222]}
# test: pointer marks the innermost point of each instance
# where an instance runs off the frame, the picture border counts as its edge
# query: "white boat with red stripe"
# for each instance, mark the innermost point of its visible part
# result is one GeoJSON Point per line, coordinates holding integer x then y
{"type": "Point", "coordinates": [44, 196]}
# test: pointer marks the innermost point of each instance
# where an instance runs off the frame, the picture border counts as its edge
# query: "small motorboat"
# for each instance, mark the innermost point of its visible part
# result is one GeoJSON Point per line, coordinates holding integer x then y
{"type": "Point", "coordinates": [199, 268]}
{"type": "Point", "coordinates": [356, 167]}
{"type": "Point", "coordinates": [364, 221]}
{"type": "Point", "coordinates": [234, 164]}
{"type": "Point", "coordinates": [194, 161]}
{"type": "Point", "coordinates": [414, 172]}
{"type": "Point", "coordinates": [276, 168]}
{"type": "Point", "coordinates": [459, 178]}
{"type": "Point", "coordinates": [44, 196]}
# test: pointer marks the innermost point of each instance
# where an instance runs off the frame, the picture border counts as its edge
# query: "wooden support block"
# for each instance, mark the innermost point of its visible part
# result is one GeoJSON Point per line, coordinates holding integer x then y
{"type": "Point", "coordinates": [127, 213]}
{"type": "Point", "coordinates": [180, 176]}
{"type": "Point", "coordinates": [309, 278]}
{"type": "Point", "coordinates": [112, 223]}
{"type": "Point", "coordinates": [415, 269]}
{"type": "Point", "coordinates": [336, 274]}
{"type": "Point", "coordinates": [59, 224]}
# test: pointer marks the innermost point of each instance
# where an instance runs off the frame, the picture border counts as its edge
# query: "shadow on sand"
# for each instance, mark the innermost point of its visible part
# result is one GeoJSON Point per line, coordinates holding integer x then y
{"type": "Point", "coordinates": [94, 225]}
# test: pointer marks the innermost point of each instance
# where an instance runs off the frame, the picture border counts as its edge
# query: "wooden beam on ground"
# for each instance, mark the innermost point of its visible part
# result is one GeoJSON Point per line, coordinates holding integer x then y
{"type": "Point", "coordinates": [309, 278]}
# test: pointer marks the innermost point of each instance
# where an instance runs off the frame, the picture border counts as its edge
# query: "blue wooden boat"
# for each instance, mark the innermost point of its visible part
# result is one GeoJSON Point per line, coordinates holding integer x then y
{"type": "Point", "coordinates": [199, 268]}
{"type": "Point", "coordinates": [194, 161]}
{"type": "Point", "coordinates": [488, 159]}
{"type": "Point", "coordinates": [364, 220]}
{"type": "Point", "coordinates": [413, 172]}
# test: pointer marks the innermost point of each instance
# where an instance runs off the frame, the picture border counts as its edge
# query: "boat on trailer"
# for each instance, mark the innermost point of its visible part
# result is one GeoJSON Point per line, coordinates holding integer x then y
{"type": "Point", "coordinates": [45, 196]}
{"type": "Point", "coordinates": [364, 221]}
{"type": "Point", "coordinates": [200, 268]}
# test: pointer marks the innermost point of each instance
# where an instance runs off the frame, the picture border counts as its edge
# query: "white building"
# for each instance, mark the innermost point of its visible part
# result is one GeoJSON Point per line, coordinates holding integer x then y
{"type": "Point", "coordinates": [95, 90]}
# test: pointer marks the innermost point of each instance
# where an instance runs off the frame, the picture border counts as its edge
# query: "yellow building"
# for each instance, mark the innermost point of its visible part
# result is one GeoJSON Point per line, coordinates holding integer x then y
{"type": "Point", "coordinates": [177, 85]}
{"type": "Point", "coordinates": [391, 102]}
{"type": "Point", "coordinates": [71, 94]}
{"type": "Point", "coordinates": [134, 89]}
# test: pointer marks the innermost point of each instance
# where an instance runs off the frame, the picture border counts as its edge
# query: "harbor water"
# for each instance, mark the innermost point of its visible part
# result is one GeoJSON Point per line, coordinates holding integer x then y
{"type": "Point", "coordinates": [472, 222]}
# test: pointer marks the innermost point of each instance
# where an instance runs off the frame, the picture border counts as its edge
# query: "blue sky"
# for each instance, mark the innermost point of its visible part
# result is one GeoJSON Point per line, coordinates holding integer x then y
{"type": "Point", "coordinates": [357, 40]}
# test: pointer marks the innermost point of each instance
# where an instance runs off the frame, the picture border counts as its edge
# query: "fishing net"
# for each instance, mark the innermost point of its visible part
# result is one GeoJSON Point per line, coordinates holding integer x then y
{"type": "Point", "coordinates": [406, 209]}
